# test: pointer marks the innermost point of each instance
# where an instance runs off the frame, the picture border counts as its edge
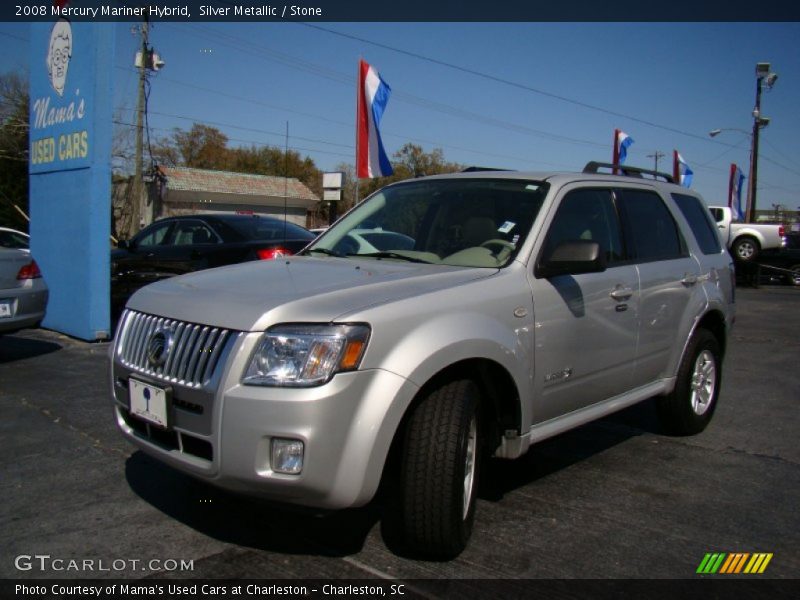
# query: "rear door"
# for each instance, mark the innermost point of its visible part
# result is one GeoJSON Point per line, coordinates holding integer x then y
{"type": "Point", "coordinates": [190, 247]}
{"type": "Point", "coordinates": [585, 325]}
{"type": "Point", "coordinates": [669, 277]}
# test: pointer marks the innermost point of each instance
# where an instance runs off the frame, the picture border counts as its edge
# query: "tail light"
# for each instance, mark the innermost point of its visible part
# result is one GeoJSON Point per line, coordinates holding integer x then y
{"type": "Point", "coordinates": [29, 271]}
{"type": "Point", "coordinates": [272, 253]}
{"type": "Point", "coordinates": [781, 230]}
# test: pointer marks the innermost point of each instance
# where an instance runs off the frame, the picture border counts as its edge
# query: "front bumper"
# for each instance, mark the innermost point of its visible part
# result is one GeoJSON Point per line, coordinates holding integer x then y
{"type": "Point", "coordinates": [346, 426]}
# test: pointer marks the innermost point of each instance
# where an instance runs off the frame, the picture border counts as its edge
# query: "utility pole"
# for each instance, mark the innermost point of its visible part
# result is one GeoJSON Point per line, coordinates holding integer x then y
{"type": "Point", "coordinates": [138, 204]}
{"type": "Point", "coordinates": [656, 156]}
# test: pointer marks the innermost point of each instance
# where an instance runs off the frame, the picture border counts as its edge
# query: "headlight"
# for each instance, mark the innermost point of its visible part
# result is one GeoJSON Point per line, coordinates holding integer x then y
{"type": "Point", "coordinates": [306, 355]}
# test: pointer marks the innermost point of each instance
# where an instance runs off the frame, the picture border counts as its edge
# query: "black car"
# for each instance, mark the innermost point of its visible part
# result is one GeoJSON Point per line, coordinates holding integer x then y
{"type": "Point", "coordinates": [774, 266]}
{"type": "Point", "coordinates": [781, 266]}
{"type": "Point", "coordinates": [177, 245]}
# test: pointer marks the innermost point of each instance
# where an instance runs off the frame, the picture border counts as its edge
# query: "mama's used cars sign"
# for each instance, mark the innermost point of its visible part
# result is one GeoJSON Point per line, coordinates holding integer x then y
{"type": "Point", "coordinates": [61, 133]}
{"type": "Point", "coordinates": [71, 66]}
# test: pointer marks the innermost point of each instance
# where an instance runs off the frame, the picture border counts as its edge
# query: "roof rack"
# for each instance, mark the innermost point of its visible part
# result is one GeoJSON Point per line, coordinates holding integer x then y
{"type": "Point", "coordinates": [478, 169]}
{"type": "Point", "coordinates": [594, 166]}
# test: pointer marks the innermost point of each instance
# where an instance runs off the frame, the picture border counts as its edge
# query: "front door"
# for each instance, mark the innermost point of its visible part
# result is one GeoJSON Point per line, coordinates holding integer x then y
{"type": "Point", "coordinates": [586, 325]}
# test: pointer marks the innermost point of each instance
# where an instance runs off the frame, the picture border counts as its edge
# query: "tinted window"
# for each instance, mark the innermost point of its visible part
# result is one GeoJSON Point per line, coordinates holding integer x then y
{"type": "Point", "coordinates": [651, 231]}
{"type": "Point", "coordinates": [188, 233]}
{"type": "Point", "coordinates": [699, 219]}
{"type": "Point", "coordinates": [256, 228]}
{"type": "Point", "coordinates": [587, 215]}
{"type": "Point", "coordinates": [153, 235]}
{"type": "Point", "coordinates": [13, 239]}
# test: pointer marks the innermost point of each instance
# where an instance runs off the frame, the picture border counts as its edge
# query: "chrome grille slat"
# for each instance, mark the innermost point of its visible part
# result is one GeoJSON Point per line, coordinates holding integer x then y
{"type": "Point", "coordinates": [212, 362]}
{"type": "Point", "coordinates": [191, 373]}
{"type": "Point", "coordinates": [206, 351]}
{"type": "Point", "coordinates": [192, 358]}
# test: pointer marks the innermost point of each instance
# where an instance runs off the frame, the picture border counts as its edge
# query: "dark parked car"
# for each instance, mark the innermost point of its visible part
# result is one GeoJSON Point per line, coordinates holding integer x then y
{"type": "Point", "coordinates": [782, 266]}
{"type": "Point", "coordinates": [178, 245]}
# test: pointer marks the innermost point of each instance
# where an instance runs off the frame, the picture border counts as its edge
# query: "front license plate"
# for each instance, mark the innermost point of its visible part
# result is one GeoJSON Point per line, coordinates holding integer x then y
{"type": "Point", "coordinates": [148, 402]}
{"type": "Point", "coordinates": [5, 308]}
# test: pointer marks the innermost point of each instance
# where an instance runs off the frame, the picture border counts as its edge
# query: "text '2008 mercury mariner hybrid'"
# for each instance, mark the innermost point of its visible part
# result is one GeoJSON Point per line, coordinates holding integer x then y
{"type": "Point", "coordinates": [442, 320]}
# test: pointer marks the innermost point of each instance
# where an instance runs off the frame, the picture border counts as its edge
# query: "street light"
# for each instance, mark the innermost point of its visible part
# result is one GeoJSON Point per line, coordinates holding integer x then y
{"type": "Point", "coordinates": [763, 77]}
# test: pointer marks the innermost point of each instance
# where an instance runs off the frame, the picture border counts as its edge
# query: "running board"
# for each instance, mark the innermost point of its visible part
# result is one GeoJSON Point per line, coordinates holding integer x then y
{"type": "Point", "coordinates": [514, 446]}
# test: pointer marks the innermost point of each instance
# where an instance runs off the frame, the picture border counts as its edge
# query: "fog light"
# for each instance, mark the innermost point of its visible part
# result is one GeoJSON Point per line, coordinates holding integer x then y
{"type": "Point", "coordinates": [287, 456]}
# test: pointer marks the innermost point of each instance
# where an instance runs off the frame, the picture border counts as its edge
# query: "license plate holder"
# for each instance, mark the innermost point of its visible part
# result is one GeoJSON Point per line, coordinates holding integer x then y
{"type": "Point", "coordinates": [149, 402]}
{"type": "Point", "coordinates": [6, 308]}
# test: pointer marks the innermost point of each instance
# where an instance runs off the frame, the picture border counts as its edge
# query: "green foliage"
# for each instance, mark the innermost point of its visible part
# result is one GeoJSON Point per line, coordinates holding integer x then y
{"type": "Point", "coordinates": [14, 101]}
{"type": "Point", "coordinates": [409, 162]}
{"type": "Point", "coordinates": [205, 147]}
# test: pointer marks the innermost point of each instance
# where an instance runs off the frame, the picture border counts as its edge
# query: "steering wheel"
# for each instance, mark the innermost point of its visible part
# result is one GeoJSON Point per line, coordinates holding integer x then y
{"type": "Point", "coordinates": [501, 245]}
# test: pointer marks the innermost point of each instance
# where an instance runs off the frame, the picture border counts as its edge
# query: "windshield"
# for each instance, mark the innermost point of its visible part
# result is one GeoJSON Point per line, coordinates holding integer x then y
{"type": "Point", "coordinates": [459, 222]}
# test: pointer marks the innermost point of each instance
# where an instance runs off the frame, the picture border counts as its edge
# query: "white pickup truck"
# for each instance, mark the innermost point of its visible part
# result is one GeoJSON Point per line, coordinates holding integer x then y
{"type": "Point", "coordinates": [746, 240]}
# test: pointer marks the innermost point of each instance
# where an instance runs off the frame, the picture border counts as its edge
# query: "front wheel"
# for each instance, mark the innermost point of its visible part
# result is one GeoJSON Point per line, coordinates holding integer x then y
{"type": "Point", "coordinates": [689, 407]}
{"type": "Point", "coordinates": [439, 472]}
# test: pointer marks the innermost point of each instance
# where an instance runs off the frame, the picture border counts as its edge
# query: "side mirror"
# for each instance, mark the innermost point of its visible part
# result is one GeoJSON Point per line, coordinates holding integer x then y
{"type": "Point", "coordinates": [573, 257]}
{"type": "Point", "coordinates": [124, 244]}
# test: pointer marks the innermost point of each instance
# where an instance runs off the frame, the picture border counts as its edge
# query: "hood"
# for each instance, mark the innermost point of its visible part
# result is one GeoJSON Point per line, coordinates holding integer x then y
{"type": "Point", "coordinates": [254, 295]}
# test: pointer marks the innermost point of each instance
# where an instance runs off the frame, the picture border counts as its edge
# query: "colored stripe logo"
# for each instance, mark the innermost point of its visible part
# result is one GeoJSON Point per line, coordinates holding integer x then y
{"type": "Point", "coordinates": [723, 563]}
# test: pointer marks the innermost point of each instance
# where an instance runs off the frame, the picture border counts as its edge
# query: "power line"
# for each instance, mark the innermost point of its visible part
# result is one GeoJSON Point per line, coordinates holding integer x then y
{"type": "Point", "coordinates": [503, 81]}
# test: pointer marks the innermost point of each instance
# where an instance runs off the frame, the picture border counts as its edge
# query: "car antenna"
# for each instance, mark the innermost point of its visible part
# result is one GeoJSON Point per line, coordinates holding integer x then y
{"type": "Point", "coordinates": [285, 181]}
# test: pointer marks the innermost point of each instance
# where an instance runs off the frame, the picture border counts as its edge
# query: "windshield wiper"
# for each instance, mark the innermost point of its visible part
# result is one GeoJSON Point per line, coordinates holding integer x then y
{"type": "Point", "coordinates": [389, 254]}
{"type": "Point", "coordinates": [324, 251]}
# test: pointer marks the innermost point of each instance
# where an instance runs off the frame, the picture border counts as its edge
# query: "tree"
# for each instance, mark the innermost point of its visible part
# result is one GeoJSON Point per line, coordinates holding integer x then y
{"type": "Point", "coordinates": [202, 147]}
{"type": "Point", "coordinates": [14, 103]}
{"type": "Point", "coordinates": [408, 162]}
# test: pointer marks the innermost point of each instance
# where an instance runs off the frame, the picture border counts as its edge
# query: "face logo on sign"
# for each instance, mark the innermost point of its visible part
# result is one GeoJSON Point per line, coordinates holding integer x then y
{"type": "Point", "coordinates": [58, 55]}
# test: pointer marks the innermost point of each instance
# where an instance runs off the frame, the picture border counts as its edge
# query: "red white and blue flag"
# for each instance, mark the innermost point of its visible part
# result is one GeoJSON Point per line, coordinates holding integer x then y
{"type": "Point", "coordinates": [680, 170]}
{"type": "Point", "coordinates": [373, 95]}
{"type": "Point", "coordinates": [622, 142]}
{"type": "Point", "coordinates": [735, 192]}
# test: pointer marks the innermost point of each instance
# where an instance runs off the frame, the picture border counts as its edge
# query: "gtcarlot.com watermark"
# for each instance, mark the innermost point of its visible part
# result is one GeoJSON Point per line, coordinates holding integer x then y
{"type": "Point", "coordinates": [48, 563]}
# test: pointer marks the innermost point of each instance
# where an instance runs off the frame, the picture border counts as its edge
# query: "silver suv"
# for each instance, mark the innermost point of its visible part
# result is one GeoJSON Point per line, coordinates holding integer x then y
{"type": "Point", "coordinates": [442, 320]}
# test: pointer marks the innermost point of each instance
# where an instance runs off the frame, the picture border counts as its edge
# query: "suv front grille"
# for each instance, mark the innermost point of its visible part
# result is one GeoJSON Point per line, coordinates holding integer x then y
{"type": "Point", "coordinates": [191, 354]}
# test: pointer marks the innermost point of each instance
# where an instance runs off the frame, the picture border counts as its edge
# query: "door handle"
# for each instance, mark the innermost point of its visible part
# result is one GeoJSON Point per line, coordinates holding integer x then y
{"type": "Point", "coordinates": [689, 279]}
{"type": "Point", "coordinates": [621, 293]}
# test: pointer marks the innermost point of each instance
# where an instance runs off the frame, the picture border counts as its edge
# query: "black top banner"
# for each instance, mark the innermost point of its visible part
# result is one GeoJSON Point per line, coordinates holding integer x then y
{"type": "Point", "coordinates": [403, 10]}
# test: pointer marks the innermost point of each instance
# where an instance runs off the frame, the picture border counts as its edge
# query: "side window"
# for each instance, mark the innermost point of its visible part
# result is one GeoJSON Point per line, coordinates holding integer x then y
{"type": "Point", "coordinates": [188, 233]}
{"type": "Point", "coordinates": [651, 232]}
{"type": "Point", "coordinates": [704, 229]}
{"type": "Point", "coordinates": [153, 236]}
{"type": "Point", "coordinates": [587, 214]}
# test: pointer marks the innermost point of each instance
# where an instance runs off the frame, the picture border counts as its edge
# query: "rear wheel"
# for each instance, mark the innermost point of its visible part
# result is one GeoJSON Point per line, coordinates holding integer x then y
{"type": "Point", "coordinates": [746, 249]}
{"type": "Point", "coordinates": [689, 407]}
{"type": "Point", "coordinates": [439, 472]}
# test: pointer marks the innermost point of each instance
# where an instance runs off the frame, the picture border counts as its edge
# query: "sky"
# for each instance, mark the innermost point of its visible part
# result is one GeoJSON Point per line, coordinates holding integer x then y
{"type": "Point", "coordinates": [526, 96]}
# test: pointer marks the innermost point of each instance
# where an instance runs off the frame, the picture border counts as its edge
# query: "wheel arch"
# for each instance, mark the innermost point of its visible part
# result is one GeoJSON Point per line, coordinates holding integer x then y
{"type": "Point", "coordinates": [713, 321]}
{"type": "Point", "coordinates": [500, 407]}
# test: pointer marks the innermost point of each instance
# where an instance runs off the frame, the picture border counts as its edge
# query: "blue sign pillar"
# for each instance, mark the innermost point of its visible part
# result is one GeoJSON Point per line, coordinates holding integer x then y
{"type": "Point", "coordinates": [70, 171]}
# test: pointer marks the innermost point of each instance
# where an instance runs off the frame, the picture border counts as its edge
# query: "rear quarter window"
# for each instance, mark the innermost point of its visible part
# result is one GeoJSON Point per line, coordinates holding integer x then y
{"type": "Point", "coordinates": [699, 219]}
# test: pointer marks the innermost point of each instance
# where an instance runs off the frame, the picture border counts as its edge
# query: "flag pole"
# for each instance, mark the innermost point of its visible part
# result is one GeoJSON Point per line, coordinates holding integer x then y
{"type": "Point", "coordinates": [615, 153]}
{"type": "Point", "coordinates": [358, 122]}
{"type": "Point", "coordinates": [676, 171]}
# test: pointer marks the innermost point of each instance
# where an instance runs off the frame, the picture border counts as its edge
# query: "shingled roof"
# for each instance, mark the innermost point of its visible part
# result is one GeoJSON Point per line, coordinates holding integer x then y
{"type": "Point", "coordinates": [185, 179]}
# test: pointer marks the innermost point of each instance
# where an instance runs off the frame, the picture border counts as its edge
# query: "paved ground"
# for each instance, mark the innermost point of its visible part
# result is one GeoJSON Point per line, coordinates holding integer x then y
{"type": "Point", "coordinates": [614, 499]}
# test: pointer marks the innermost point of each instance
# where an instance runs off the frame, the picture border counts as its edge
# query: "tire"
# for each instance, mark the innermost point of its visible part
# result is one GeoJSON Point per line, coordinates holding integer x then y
{"type": "Point", "coordinates": [746, 249]}
{"type": "Point", "coordinates": [439, 471]}
{"type": "Point", "coordinates": [688, 409]}
{"type": "Point", "coordinates": [794, 278]}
